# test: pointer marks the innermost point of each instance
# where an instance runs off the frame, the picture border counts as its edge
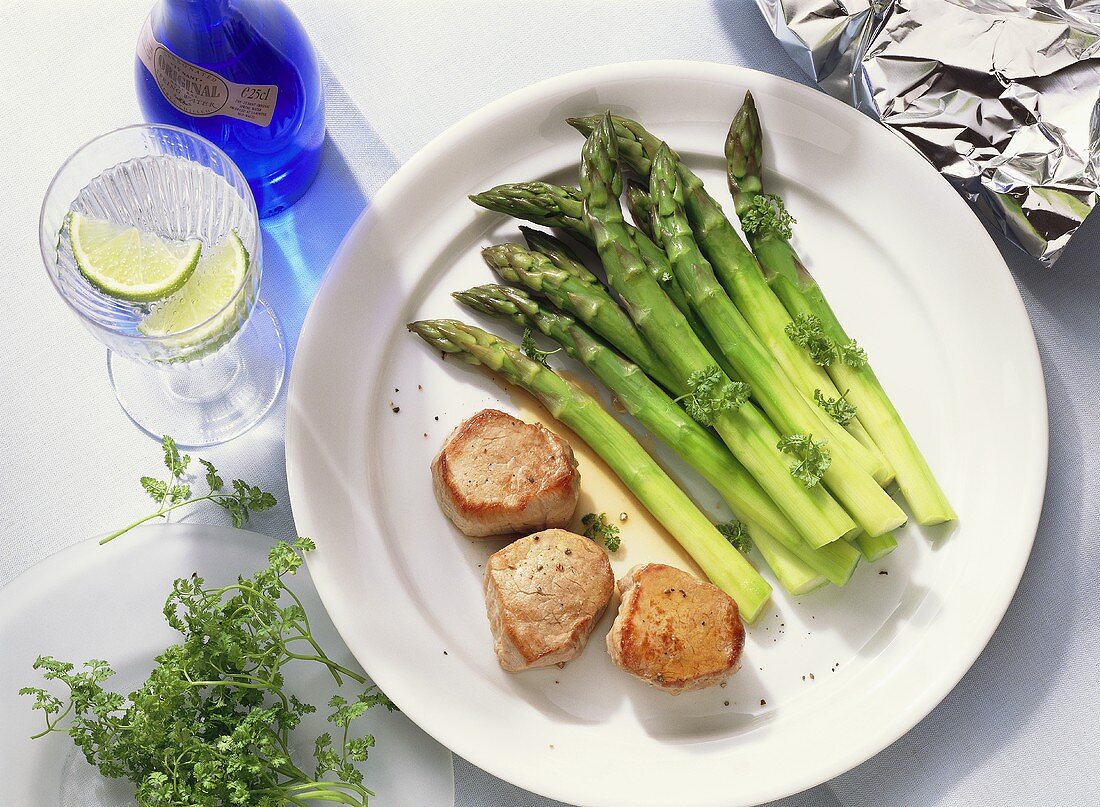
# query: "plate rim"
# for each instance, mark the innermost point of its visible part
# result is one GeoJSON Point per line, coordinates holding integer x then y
{"type": "Point", "coordinates": [663, 69]}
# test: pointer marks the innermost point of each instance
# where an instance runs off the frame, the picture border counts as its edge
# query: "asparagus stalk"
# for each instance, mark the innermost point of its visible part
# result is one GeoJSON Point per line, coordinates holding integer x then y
{"type": "Point", "coordinates": [873, 547]}
{"type": "Point", "coordinates": [588, 302]}
{"type": "Point", "coordinates": [857, 490]}
{"type": "Point", "coordinates": [659, 267]}
{"type": "Point", "coordinates": [749, 435]}
{"type": "Point", "coordinates": [539, 203]}
{"type": "Point", "coordinates": [794, 575]}
{"type": "Point", "coordinates": [562, 207]}
{"type": "Point", "coordinates": [563, 258]}
{"type": "Point", "coordinates": [698, 446]}
{"type": "Point", "coordinates": [764, 227]}
{"type": "Point", "coordinates": [800, 294]}
{"type": "Point", "coordinates": [567, 402]}
{"type": "Point", "coordinates": [739, 273]}
{"type": "Point", "coordinates": [640, 204]}
{"type": "Point", "coordinates": [559, 254]}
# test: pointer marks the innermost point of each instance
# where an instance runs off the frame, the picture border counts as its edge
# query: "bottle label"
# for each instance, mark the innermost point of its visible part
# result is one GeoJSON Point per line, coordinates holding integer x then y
{"type": "Point", "coordinates": [196, 91]}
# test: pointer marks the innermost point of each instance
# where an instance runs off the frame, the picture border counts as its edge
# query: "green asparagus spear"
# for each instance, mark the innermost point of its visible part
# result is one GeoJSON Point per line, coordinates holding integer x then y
{"type": "Point", "coordinates": [559, 254]}
{"type": "Point", "coordinates": [767, 225]}
{"type": "Point", "coordinates": [794, 575]}
{"type": "Point", "coordinates": [793, 284]}
{"type": "Point", "coordinates": [607, 318]}
{"type": "Point", "coordinates": [557, 206]}
{"type": "Point", "coordinates": [874, 547]}
{"type": "Point", "coordinates": [696, 445]}
{"type": "Point", "coordinates": [588, 302]}
{"type": "Point", "coordinates": [567, 402]}
{"type": "Point", "coordinates": [739, 273]}
{"type": "Point", "coordinates": [749, 435]}
{"type": "Point", "coordinates": [538, 202]}
{"type": "Point", "coordinates": [640, 204]}
{"type": "Point", "coordinates": [857, 490]}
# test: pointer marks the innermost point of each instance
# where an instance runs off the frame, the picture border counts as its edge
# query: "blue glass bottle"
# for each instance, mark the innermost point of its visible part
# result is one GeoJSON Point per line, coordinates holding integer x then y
{"type": "Point", "coordinates": [243, 74]}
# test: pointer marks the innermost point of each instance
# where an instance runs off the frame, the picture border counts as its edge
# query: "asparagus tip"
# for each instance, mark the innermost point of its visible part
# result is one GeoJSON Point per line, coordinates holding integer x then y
{"type": "Point", "coordinates": [580, 124]}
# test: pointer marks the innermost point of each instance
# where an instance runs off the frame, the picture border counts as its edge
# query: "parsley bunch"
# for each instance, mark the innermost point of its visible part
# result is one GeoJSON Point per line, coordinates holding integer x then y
{"type": "Point", "coordinates": [240, 500]}
{"type": "Point", "coordinates": [211, 727]}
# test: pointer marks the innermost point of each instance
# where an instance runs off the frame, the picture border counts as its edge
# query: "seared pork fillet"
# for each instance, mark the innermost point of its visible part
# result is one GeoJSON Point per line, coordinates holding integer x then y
{"type": "Point", "coordinates": [544, 594]}
{"type": "Point", "coordinates": [497, 475]}
{"type": "Point", "coordinates": [673, 631]}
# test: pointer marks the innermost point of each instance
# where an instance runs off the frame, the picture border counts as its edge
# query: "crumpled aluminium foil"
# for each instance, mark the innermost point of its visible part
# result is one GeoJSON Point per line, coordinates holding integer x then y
{"type": "Point", "coordinates": [1001, 96]}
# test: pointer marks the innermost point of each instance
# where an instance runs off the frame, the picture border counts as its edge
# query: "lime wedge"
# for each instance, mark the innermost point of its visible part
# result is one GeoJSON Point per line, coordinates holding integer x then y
{"type": "Point", "coordinates": [128, 264]}
{"type": "Point", "coordinates": [204, 299]}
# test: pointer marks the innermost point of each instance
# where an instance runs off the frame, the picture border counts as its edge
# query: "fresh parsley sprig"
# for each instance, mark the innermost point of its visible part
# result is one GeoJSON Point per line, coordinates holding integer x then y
{"type": "Point", "coordinates": [531, 350]}
{"type": "Point", "coordinates": [813, 459]}
{"type": "Point", "coordinates": [805, 330]}
{"type": "Point", "coordinates": [240, 499]}
{"type": "Point", "coordinates": [734, 531]}
{"type": "Point", "coordinates": [710, 394]}
{"type": "Point", "coordinates": [839, 409]}
{"type": "Point", "coordinates": [768, 218]}
{"type": "Point", "coordinates": [212, 726]}
{"type": "Point", "coordinates": [600, 530]}
{"type": "Point", "coordinates": [852, 354]}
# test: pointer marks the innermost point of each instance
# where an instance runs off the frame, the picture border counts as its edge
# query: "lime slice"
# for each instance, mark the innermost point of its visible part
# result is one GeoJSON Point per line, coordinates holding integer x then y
{"type": "Point", "coordinates": [128, 264]}
{"type": "Point", "coordinates": [204, 299]}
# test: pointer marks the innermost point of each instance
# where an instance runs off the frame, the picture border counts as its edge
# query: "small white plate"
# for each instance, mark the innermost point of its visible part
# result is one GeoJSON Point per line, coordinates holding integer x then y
{"type": "Point", "coordinates": [91, 601]}
{"type": "Point", "coordinates": [828, 679]}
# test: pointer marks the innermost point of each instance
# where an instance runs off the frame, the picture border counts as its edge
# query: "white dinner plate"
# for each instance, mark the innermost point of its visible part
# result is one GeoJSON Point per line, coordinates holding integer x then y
{"type": "Point", "coordinates": [91, 601]}
{"type": "Point", "coordinates": [829, 678]}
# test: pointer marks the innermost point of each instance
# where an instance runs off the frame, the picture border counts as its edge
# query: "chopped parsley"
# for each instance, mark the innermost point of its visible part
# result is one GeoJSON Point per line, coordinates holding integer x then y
{"type": "Point", "coordinates": [600, 530]}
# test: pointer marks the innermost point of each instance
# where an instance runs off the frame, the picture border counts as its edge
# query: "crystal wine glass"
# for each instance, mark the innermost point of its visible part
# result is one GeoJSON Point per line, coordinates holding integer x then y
{"type": "Point", "coordinates": [214, 379]}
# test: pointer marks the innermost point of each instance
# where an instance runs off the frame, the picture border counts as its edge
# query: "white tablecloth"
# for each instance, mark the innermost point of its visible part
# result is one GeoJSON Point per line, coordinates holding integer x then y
{"type": "Point", "coordinates": [1020, 729]}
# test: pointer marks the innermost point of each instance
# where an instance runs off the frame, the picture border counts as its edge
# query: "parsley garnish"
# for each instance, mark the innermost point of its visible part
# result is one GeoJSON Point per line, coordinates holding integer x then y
{"type": "Point", "coordinates": [212, 725]}
{"type": "Point", "coordinates": [839, 409]}
{"type": "Point", "coordinates": [241, 500]}
{"type": "Point", "coordinates": [735, 532]}
{"type": "Point", "coordinates": [711, 393]}
{"type": "Point", "coordinates": [768, 218]}
{"type": "Point", "coordinates": [852, 354]}
{"type": "Point", "coordinates": [600, 530]}
{"type": "Point", "coordinates": [805, 331]}
{"type": "Point", "coordinates": [532, 351]}
{"type": "Point", "coordinates": [813, 459]}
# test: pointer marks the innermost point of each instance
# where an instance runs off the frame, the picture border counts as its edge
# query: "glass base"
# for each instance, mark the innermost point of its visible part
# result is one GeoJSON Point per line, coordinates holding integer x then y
{"type": "Point", "coordinates": [210, 400]}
